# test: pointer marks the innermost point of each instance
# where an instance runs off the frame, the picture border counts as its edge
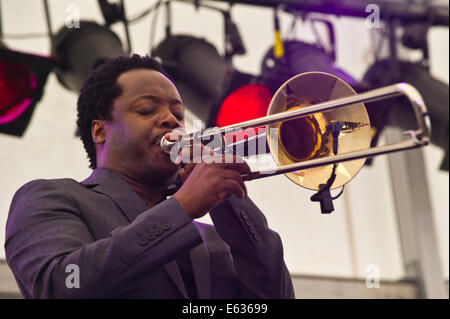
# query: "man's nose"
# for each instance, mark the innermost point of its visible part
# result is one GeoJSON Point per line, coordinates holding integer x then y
{"type": "Point", "coordinates": [170, 121]}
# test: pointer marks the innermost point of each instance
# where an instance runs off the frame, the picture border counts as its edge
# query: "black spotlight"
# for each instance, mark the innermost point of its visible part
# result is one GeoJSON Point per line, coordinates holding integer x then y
{"type": "Point", "coordinates": [199, 72]}
{"type": "Point", "coordinates": [435, 94]}
{"type": "Point", "coordinates": [78, 50]}
{"type": "Point", "coordinates": [22, 80]}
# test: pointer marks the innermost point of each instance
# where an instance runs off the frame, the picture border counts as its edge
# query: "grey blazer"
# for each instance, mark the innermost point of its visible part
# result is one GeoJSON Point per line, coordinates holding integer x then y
{"type": "Point", "coordinates": [122, 249]}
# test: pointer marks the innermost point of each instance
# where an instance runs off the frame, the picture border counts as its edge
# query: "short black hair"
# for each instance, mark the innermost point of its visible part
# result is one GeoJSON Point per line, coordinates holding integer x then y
{"type": "Point", "coordinates": [99, 91]}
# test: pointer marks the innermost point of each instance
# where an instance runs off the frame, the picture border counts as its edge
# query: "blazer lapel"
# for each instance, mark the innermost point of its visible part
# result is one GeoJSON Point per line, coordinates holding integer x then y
{"type": "Point", "coordinates": [174, 274]}
{"type": "Point", "coordinates": [200, 267]}
{"type": "Point", "coordinates": [112, 185]}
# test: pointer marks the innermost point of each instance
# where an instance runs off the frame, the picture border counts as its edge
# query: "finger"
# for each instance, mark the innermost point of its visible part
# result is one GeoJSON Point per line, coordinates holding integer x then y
{"type": "Point", "coordinates": [238, 164]}
{"type": "Point", "coordinates": [175, 135]}
{"type": "Point", "coordinates": [186, 171]}
{"type": "Point", "coordinates": [243, 168]}
{"type": "Point", "coordinates": [233, 187]}
{"type": "Point", "coordinates": [236, 176]}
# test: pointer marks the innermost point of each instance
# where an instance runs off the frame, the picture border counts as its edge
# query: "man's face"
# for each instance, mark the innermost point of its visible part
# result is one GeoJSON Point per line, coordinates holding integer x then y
{"type": "Point", "coordinates": [149, 107]}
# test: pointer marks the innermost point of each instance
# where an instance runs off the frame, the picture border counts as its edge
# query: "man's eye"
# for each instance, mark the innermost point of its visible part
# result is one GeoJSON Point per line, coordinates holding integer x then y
{"type": "Point", "coordinates": [145, 111]}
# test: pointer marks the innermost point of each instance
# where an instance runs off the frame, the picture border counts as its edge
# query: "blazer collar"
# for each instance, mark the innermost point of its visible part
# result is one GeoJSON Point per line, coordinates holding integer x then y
{"type": "Point", "coordinates": [107, 182]}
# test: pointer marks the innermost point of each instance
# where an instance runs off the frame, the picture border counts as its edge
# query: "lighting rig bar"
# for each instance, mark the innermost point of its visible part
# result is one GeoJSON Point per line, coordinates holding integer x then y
{"type": "Point", "coordinates": [403, 10]}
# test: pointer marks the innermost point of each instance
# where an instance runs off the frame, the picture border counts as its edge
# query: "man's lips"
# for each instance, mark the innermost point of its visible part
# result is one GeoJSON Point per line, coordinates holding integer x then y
{"type": "Point", "coordinates": [157, 139]}
{"type": "Point", "coordinates": [176, 134]}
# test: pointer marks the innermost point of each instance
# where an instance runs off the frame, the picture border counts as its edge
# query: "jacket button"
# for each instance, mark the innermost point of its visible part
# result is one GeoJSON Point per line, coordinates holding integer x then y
{"type": "Point", "coordinates": [158, 232]}
{"type": "Point", "coordinates": [166, 227]}
{"type": "Point", "coordinates": [151, 236]}
{"type": "Point", "coordinates": [143, 242]}
{"type": "Point", "coordinates": [244, 214]}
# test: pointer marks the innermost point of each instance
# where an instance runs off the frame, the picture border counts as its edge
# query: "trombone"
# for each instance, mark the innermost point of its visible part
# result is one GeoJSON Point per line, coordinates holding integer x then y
{"type": "Point", "coordinates": [321, 129]}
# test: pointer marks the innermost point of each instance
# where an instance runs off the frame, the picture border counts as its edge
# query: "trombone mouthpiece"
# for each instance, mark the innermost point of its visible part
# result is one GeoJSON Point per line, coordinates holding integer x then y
{"type": "Point", "coordinates": [178, 134]}
{"type": "Point", "coordinates": [166, 145]}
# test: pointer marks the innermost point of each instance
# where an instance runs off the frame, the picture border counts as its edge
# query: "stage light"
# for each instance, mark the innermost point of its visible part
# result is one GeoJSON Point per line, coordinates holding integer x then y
{"type": "Point", "coordinates": [17, 83]}
{"type": "Point", "coordinates": [434, 92]}
{"type": "Point", "coordinates": [78, 50]}
{"type": "Point", "coordinates": [22, 80]}
{"type": "Point", "coordinates": [200, 74]}
{"type": "Point", "coordinates": [299, 57]}
{"type": "Point", "coordinates": [246, 98]}
{"type": "Point", "coordinates": [252, 101]}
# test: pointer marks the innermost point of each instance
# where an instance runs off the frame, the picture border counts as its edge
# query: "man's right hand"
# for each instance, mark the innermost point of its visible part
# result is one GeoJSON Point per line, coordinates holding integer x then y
{"type": "Point", "coordinates": [206, 185]}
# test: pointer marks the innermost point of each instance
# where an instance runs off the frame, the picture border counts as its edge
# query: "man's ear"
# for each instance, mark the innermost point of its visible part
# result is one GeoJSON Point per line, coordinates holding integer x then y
{"type": "Point", "coordinates": [98, 131]}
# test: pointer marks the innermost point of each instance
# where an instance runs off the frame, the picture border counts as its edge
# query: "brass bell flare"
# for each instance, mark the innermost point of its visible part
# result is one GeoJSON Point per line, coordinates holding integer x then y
{"type": "Point", "coordinates": [310, 137]}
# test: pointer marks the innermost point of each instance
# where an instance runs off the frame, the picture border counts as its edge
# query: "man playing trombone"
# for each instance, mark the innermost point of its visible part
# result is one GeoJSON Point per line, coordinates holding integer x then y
{"type": "Point", "coordinates": [118, 229]}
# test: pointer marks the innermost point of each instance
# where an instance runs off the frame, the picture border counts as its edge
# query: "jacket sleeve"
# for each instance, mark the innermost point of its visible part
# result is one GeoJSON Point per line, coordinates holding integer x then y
{"type": "Point", "coordinates": [46, 238]}
{"type": "Point", "coordinates": [256, 249]}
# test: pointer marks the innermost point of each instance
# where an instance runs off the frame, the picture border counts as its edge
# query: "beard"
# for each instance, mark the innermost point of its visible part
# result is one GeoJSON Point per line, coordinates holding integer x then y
{"type": "Point", "coordinates": [155, 169]}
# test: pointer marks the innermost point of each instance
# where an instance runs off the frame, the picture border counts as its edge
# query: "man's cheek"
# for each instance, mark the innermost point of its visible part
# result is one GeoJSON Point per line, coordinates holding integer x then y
{"type": "Point", "coordinates": [116, 143]}
{"type": "Point", "coordinates": [122, 143]}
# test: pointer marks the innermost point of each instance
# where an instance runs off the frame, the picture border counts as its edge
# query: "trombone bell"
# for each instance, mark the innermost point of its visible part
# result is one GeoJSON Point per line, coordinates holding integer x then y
{"type": "Point", "coordinates": [310, 137]}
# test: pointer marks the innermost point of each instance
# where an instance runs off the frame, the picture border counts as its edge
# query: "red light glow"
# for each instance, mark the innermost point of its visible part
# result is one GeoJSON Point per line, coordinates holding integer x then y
{"type": "Point", "coordinates": [17, 83]}
{"type": "Point", "coordinates": [245, 103]}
